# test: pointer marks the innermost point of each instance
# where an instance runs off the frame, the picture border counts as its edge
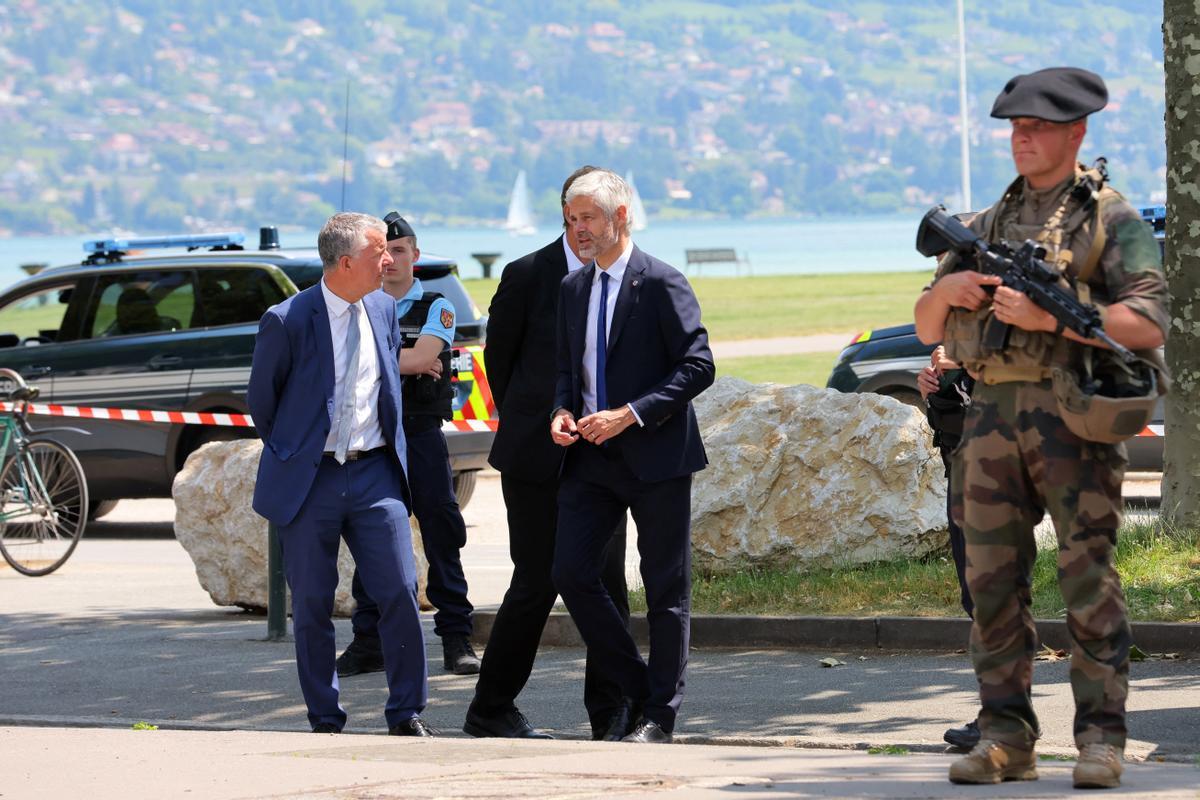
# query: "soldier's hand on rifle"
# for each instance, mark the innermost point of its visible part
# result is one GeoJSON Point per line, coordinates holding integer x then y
{"type": "Point", "coordinates": [965, 289]}
{"type": "Point", "coordinates": [1015, 308]}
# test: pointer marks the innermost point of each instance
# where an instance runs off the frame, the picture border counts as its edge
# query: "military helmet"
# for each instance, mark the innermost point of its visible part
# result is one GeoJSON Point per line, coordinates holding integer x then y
{"type": "Point", "coordinates": [1109, 400]}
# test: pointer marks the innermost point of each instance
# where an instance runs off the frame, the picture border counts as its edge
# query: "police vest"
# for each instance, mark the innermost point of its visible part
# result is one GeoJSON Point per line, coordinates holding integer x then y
{"type": "Point", "coordinates": [422, 394]}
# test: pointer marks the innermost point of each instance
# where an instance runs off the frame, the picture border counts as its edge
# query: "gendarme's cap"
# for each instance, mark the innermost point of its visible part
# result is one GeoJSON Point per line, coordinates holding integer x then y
{"type": "Point", "coordinates": [1058, 94]}
{"type": "Point", "coordinates": [397, 226]}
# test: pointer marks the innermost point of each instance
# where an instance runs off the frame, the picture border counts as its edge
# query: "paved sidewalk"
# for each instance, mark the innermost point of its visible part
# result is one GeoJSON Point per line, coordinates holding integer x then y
{"type": "Point", "coordinates": [55, 762]}
{"type": "Point", "coordinates": [123, 633]}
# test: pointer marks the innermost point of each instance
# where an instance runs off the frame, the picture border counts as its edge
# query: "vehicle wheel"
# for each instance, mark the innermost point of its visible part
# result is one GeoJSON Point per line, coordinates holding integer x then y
{"type": "Point", "coordinates": [906, 396]}
{"type": "Point", "coordinates": [43, 505]}
{"type": "Point", "coordinates": [101, 508]}
{"type": "Point", "coordinates": [464, 486]}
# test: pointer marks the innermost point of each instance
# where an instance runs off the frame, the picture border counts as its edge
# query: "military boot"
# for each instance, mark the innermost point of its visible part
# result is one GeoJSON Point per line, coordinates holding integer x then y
{"type": "Point", "coordinates": [458, 656]}
{"type": "Point", "coordinates": [1099, 767]}
{"type": "Point", "coordinates": [364, 654]}
{"type": "Point", "coordinates": [993, 762]}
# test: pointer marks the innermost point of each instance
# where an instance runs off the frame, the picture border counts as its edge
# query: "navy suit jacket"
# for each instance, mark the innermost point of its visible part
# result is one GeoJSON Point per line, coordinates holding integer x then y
{"type": "Point", "coordinates": [657, 360]}
{"type": "Point", "coordinates": [290, 395]}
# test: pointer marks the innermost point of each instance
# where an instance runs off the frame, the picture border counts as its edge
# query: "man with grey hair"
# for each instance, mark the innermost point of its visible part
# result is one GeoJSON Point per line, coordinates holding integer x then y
{"type": "Point", "coordinates": [324, 392]}
{"type": "Point", "coordinates": [632, 354]}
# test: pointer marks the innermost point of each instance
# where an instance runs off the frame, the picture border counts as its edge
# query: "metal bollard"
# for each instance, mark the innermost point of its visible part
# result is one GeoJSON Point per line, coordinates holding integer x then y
{"type": "Point", "coordinates": [276, 588]}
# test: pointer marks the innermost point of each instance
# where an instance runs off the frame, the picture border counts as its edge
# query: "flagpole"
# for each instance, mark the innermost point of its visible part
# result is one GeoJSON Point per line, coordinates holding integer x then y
{"type": "Point", "coordinates": [962, 109]}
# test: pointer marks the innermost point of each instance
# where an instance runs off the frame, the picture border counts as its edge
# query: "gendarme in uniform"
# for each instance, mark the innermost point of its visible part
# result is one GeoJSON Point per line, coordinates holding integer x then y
{"type": "Point", "coordinates": [1019, 459]}
{"type": "Point", "coordinates": [427, 402]}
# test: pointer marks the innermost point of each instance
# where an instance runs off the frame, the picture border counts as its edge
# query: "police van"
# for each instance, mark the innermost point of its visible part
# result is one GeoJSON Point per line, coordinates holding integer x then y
{"type": "Point", "coordinates": [888, 360]}
{"type": "Point", "coordinates": [174, 332]}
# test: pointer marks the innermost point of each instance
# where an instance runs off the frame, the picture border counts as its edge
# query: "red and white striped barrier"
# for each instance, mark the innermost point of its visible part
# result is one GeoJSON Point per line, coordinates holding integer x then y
{"type": "Point", "coordinates": [197, 417]}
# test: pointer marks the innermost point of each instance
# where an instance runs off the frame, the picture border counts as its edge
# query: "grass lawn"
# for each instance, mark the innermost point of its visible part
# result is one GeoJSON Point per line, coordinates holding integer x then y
{"type": "Point", "coordinates": [1160, 572]}
{"type": "Point", "coordinates": [810, 368]}
{"type": "Point", "coordinates": [789, 305]}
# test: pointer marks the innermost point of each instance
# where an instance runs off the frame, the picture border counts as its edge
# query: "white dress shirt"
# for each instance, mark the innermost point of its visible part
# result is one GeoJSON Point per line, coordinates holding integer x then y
{"type": "Point", "coordinates": [365, 431]}
{"type": "Point", "coordinates": [616, 271]}
{"type": "Point", "coordinates": [573, 262]}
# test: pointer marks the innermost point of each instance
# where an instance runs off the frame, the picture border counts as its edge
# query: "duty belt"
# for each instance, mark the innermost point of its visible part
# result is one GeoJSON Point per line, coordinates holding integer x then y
{"type": "Point", "coordinates": [1002, 373]}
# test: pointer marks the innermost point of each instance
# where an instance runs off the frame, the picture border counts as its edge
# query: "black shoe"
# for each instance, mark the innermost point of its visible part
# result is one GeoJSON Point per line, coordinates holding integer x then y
{"type": "Point", "coordinates": [326, 727]}
{"type": "Point", "coordinates": [508, 725]}
{"type": "Point", "coordinates": [458, 656]}
{"type": "Point", "coordinates": [363, 655]}
{"type": "Point", "coordinates": [619, 725]}
{"type": "Point", "coordinates": [412, 727]}
{"type": "Point", "coordinates": [647, 732]}
{"type": "Point", "coordinates": [964, 738]}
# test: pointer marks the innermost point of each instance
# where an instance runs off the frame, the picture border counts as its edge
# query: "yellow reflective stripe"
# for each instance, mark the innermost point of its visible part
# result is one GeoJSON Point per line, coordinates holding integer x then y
{"type": "Point", "coordinates": [478, 377]}
{"type": "Point", "coordinates": [865, 336]}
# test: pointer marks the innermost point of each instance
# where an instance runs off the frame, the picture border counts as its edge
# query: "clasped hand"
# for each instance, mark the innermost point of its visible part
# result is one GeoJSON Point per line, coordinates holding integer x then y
{"type": "Point", "coordinates": [596, 428]}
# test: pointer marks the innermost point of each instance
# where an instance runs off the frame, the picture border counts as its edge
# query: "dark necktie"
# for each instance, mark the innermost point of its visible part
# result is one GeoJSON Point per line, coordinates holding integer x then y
{"type": "Point", "coordinates": [602, 345]}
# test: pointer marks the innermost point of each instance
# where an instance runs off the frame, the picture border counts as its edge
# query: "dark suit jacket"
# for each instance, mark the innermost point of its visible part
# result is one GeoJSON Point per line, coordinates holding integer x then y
{"type": "Point", "coordinates": [657, 360]}
{"type": "Point", "coordinates": [290, 395]}
{"type": "Point", "coordinates": [519, 354]}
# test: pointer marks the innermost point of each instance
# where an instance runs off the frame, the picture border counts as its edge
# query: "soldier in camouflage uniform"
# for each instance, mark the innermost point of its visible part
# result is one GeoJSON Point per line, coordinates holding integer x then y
{"type": "Point", "coordinates": [1019, 460]}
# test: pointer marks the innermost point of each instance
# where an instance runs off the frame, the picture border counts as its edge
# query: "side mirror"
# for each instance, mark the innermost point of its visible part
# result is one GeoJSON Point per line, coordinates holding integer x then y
{"type": "Point", "coordinates": [9, 340]}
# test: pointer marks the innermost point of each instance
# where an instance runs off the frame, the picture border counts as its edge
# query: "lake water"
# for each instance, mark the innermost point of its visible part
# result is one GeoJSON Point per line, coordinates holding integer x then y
{"type": "Point", "coordinates": [776, 247]}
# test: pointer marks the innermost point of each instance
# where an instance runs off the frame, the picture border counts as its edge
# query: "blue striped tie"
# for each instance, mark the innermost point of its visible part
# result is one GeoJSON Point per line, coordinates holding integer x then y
{"type": "Point", "coordinates": [347, 404]}
{"type": "Point", "coordinates": [602, 345]}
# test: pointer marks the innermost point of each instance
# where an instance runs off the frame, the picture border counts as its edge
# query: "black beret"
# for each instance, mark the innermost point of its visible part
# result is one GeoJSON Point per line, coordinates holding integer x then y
{"type": "Point", "coordinates": [397, 226]}
{"type": "Point", "coordinates": [1058, 94]}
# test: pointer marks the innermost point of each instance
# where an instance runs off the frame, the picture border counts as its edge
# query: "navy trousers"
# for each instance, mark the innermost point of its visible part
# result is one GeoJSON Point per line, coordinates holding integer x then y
{"type": "Point", "coordinates": [359, 501]}
{"type": "Point", "coordinates": [596, 490]}
{"type": "Point", "coordinates": [443, 533]}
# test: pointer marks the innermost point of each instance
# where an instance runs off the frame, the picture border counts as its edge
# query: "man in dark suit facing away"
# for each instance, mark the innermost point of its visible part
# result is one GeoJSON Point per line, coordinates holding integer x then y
{"type": "Point", "coordinates": [324, 391]}
{"type": "Point", "coordinates": [520, 357]}
{"type": "Point", "coordinates": [632, 354]}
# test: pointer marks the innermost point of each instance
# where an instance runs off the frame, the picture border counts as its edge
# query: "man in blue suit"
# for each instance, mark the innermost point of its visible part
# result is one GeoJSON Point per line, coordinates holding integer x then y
{"type": "Point", "coordinates": [325, 396]}
{"type": "Point", "coordinates": [632, 354]}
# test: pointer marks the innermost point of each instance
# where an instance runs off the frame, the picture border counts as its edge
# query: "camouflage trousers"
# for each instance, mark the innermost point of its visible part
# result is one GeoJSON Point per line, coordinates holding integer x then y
{"type": "Point", "coordinates": [1018, 461]}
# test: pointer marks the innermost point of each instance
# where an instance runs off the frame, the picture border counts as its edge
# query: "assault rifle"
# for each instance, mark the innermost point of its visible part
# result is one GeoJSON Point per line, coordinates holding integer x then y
{"type": "Point", "coordinates": [1023, 270]}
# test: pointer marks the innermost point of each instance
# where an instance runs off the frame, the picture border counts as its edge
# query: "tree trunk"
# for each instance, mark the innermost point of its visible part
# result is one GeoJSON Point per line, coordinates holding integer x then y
{"type": "Point", "coordinates": [1181, 470]}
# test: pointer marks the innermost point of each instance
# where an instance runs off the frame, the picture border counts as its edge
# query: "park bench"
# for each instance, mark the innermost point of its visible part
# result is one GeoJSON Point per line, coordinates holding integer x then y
{"type": "Point", "coordinates": [716, 255]}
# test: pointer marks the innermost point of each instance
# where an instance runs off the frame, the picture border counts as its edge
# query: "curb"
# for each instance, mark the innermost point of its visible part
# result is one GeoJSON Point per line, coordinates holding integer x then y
{"type": "Point", "coordinates": [886, 633]}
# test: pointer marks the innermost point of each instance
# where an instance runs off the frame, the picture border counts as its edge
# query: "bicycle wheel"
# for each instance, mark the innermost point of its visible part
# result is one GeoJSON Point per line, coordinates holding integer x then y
{"type": "Point", "coordinates": [43, 507]}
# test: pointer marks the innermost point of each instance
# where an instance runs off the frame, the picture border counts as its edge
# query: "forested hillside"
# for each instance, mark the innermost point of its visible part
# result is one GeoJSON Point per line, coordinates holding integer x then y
{"type": "Point", "coordinates": [159, 115]}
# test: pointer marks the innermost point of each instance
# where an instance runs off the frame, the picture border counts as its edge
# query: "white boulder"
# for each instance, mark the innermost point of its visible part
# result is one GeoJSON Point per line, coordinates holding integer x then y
{"type": "Point", "coordinates": [801, 476]}
{"type": "Point", "coordinates": [227, 541]}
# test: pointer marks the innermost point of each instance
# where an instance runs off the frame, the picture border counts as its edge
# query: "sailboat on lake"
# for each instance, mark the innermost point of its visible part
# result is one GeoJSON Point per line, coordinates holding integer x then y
{"type": "Point", "coordinates": [637, 212]}
{"type": "Point", "coordinates": [520, 220]}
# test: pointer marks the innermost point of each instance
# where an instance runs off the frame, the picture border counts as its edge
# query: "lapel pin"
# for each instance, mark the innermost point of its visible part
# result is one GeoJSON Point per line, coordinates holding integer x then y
{"type": "Point", "coordinates": [635, 283]}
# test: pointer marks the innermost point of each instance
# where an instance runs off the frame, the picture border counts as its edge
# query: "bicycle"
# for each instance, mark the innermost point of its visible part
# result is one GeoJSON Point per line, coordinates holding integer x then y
{"type": "Point", "coordinates": [43, 492]}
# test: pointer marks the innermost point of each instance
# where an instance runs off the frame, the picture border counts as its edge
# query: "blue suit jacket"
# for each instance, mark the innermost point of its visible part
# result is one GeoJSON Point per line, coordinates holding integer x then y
{"type": "Point", "coordinates": [657, 360]}
{"type": "Point", "coordinates": [291, 396]}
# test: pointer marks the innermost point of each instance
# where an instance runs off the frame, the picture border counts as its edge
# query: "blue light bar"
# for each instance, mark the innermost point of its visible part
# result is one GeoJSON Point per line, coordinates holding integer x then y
{"type": "Point", "coordinates": [190, 241]}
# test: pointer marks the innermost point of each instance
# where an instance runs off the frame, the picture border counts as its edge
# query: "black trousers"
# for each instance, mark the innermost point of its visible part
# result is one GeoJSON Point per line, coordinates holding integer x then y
{"type": "Point", "coordinates": [597, 489]}
{"type": "Point", "coordinates": [958, 544]}
{"type": "Point", "coordinates": [508, 659]}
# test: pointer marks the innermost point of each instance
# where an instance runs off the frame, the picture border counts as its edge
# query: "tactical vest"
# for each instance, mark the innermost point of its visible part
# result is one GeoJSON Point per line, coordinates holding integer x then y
{"type": "Point", "coordinates": [422, 394]}
{"type": "Point", "coordinates": [1074, 240]}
